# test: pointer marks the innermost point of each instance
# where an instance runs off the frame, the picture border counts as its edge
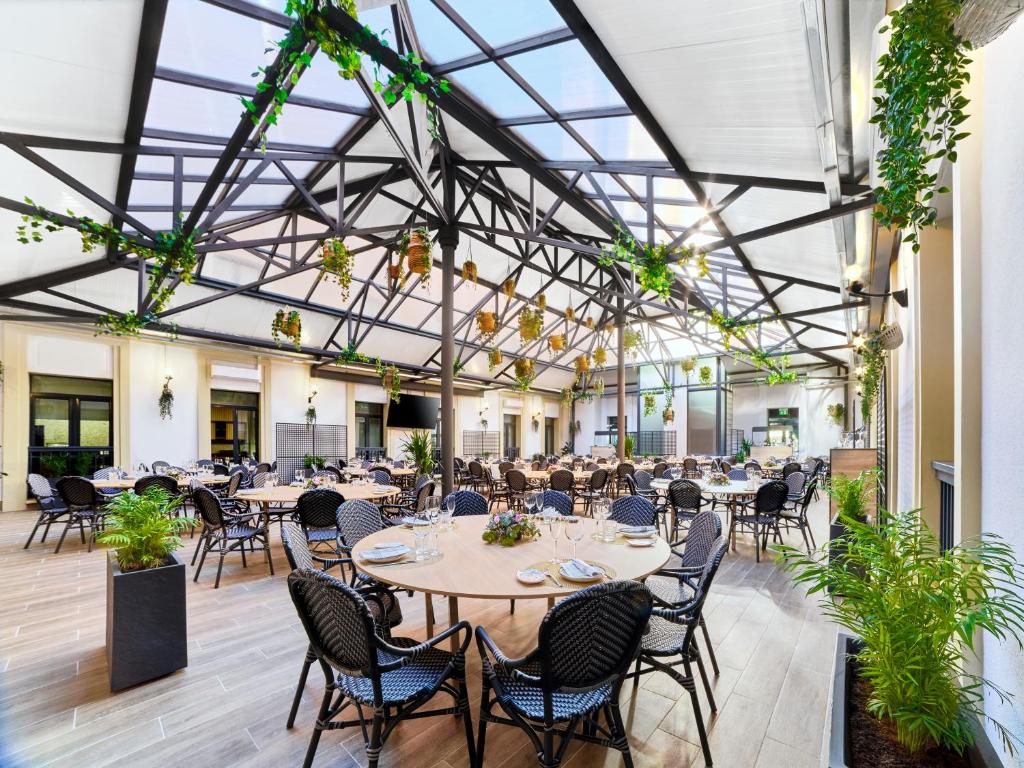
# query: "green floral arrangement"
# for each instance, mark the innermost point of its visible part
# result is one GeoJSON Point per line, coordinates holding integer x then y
{"type": "Point", "coordinates": [509, 527]}
{"type": "Point", "coordinates": [918, 112]}
{"type": "Point", "coordinates": [718, 479]}
{"type": "Point", "coordinates": [337, 262]}
{"type": "Point", "coordinates": [650, 263]}
{"type": "Point", "coordinates": [313, 461]}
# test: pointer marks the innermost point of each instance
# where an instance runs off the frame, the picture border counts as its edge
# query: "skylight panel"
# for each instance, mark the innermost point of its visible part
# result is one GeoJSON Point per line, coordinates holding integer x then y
{"type": "Point", "coordinates": [441, 39]}
{"type": "Point", "coordinates": [619, 138]}
{"type": "Point", "coordinates": [495, 90]}
{"type": "Point", "coordinates": [510, 20]}
{"type": "Point", "coordinates": [552, 141]}
{"type": "Point", "coordinates": [566, 77]}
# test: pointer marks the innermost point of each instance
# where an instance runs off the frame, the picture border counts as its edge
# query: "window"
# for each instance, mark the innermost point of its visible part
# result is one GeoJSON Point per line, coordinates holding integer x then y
{"type": "Point", "coordinates": [71, 426]}
{"type": "Point", "coordinates": [369, 428]}
{"type": "Point", "coordinates": [234, 424]}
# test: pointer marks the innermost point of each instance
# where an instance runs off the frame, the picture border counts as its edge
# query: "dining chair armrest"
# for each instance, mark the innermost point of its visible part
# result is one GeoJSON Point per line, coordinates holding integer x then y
{"type": "Point", "coordinates": [676, 613]}
{"type": "Point", "coordinates": [510, 666]}
{"type": "Point", "coordinates": [408, 655]}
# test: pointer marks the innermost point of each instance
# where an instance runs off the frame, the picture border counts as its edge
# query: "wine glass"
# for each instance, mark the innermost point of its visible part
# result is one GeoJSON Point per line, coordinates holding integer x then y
{"type": "Point", "coordinates": [554, 522]}
{"type": "Point", "coordinates": [531, 500]}
{"type": "Point", "coordinates": [432, 510]}
{"type": "Point", "coordinates": [574, 533]}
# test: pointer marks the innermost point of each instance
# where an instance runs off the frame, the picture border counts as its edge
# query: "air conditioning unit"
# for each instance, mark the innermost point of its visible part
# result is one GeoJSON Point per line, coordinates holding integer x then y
{"type": "Point", "coordinates": [237, 372]}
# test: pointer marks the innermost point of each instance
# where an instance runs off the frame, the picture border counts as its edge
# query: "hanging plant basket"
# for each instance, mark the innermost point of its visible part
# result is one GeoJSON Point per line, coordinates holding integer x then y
{"type": "Point", "coordinates": [392, 382]}
{"type": "Point", "coordinates": [542, 301]}
{"type": "Point", "coordinates": [632, 341]}
{"type": "Point", "coordinates": [524, 374]}
{"type": "Point", "coordinates": [837, 413]}
{"type": "Point", "coordinates": [982, 21]}
{"type": "Point", "coordinates": [288, 325]}
{"type": "Point", "coordinates": [337, 262]}
{"type": "Point", "coordinates": [493, 359]}
{"type": "Point", "coordinates": [417, 248]}
{"type": "Point", "coordinates": [582, 364]}
{"type": "Point", "coordinates": [565, 397]}
{"type": "Point", "coordinates": [556, 342]}
{"type": "Point", "coordinates": [668, 415]}
{"type": "Point", "coordinates": [650, 404]}
{"type": "Point", "coordinates": [688, 364]}
{"type": "Point", "coordinates": [705, 375]}
{"type": "Point", "coordinates": [487, 323]}
{"type": "Point", "coordinates": [531, 323]}
{"type": "Point", "coordinates": [600, 356]}
{"type": "Point", "coordinates": [469, 271]}
{"type": "Point", "coordinates": [310, 416]}
{"type": "Point", "coordinates": [598, 387]}
{"type": "Point", "coordinates": [570, 314]}
{"type": "Point", "coordinates": [509, 288]}
{"type": "Point", "coordinates": [590, 323]}
{"type": "Point", "coordinates": [166, 401]}
{"type": "Point", "coordinates": [609, 327]}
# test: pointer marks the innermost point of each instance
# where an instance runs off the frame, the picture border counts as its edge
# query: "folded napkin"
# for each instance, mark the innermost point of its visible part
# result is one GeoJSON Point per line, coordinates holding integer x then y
{"type": "Point", "coordinates": [580, 570]}
{"type": "Point", "coordinates": [637, 529]}
{"type": "Point", "coordinates": [244, 491]}
{"type": "Point", "coordinates": [385, 554]}
{"type": "Point", "coordinates": [414, 521]}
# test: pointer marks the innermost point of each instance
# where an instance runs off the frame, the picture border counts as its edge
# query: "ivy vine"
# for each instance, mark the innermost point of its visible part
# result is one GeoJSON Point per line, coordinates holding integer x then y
{"type": "Point", "coordinates": [873, 357]}
{"type": "Point", "coordinates": [650, 263]}
{"type": "Point", "coordinates": [921, 78]}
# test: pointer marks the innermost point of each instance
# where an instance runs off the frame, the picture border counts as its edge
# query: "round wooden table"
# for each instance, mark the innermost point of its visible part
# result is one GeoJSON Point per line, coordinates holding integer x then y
{"type": "Point", "coordinates": [289, 494]}
{"type": "Point", "coordinates": [468, 567]}
{"type": "Point", "coordinates": [129, 482]}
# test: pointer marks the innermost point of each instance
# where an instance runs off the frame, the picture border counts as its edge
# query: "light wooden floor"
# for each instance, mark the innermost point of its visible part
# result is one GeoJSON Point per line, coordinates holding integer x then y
{"type": "Point", "coordinates": [229, 706]}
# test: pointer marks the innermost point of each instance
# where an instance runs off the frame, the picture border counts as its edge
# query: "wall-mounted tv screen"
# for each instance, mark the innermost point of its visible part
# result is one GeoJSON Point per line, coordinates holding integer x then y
{"type": "Point", "coordinates": [414, 412]}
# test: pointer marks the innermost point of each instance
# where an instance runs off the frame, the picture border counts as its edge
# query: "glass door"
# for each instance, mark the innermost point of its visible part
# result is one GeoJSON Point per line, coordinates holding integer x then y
{"type": "Point", "coordinates": [510, 436]}
{"type": "Point", "coordinates": [549, 436]}
{"type": "Point", "coordinates": [234, 425]}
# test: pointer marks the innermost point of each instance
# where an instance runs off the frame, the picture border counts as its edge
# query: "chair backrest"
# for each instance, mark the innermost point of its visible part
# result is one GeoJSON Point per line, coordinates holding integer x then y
{"type": "Point", "coordinates": [625, 469]}
{"type": "Point", "coordinates": [235, 483]}
{"type": "Point", "coordinates": [208, 504]}
{"type": "Point", "coordinates": [169, 484]}
{"type": "Point", "coordinates": [504, 466]}
{"type": "Point", "coordinates": [632, 510]}
{"type": "Point", "coordinates": [592, 466]}
{"type": "Point", "coordinates": [380, 468]}
{"type": "Point", "coordinates": [642, 480]}
{"type": "Point", "coordinates": [107, 473]}
{"type": "Point", "coordinates": [808, 496]}
{"type": "Point", "coordinates": [598, 479]}
{"type": "Point", "coordinates": [220, 469]}
{"type": "Point", "coordinates": [160, 466]}
{"type": "Point", "coordinates": [476, 469]}
{"type": "Point", "coordinates": [795, 481]}
{"type": "Point", "coordinates": [516, 480]}
{"type": "Point", "coordinates": [726, 466]}
{"type": "Point", "coordinates": [318, 508]}
{"type": "Point", "coordinates": [700, 593]}
{"type": "Point", "coordinates": [356, 519]}
{"type": "Point", "coordinates": [590, 638]}
{"type": "Point", "coordinates": [399, 464]}
{"type": "Point", "coordinates": [684, 495]}
{"type": "Point", "coordinates": [76, 491]}
{"type": "Point", "coordinates": [467, 503]}
{"type": "Point", "coordinates": [259, 479]}
{"type": "Point", "coordinates": [561, 480]}
{"type": "Point", "coordinates": [262, 467]}
{"type": "Point", "coordinates": [205, 463]}
{"type": "Point", "coordinates": [704, 530]}
{"type": "Point", "coordinates": [380, 476]}
{"type": "Point", "coordinates": [459, 463]}
{"type": "Point", "coordinates": [338, 623]}
{"type": "Point", "coordinates": [790, 468]}
{"type": "Point", "coordinates": [423, 493]}
{"type": "Point", "coordinates": [737, 474]}
{"type": "Point", "coordinates": [39, 487]}
{"type": "Point", "coordinates": [630, 483]}
{"type": "Point", "coordinates": [771, 497]}
{"type": "Point", "coordinates": [689, 464]}
{"type": "Point", "coordinates": [659, 469]}
{"type": "Point", "coordinates": [559, 501]}
{"type": "Point", "coordinates": [296, 547]}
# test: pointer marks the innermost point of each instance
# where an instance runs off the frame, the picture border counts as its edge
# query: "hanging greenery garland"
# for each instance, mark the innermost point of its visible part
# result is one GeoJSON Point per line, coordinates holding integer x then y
{"type": "Point", "coordinates": [337, 262]}
{"type": "Point", "coordinates": [390, 380]}
{"type": "Point", "coordinates": [920, 79]}
{"type": "Point", "coordinates": [873, 357]}
{"type": "Point", "coordinates": [781, 375]}
{"type": "Point", "coordinates": [166, 401]}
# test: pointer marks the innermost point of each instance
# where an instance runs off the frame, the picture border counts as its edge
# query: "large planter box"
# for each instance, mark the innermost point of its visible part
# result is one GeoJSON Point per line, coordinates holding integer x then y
{"type": "Point", "coordinates": [146, 629]}
{"type": "Point", "coordinates": [981, 755]}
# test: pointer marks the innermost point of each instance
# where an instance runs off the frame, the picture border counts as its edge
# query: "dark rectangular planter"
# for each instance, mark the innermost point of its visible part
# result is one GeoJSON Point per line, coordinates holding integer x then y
{"type": "Point", "coordinates": [146, 631]}
{"type": "Point", "coordinates": [980, 755]}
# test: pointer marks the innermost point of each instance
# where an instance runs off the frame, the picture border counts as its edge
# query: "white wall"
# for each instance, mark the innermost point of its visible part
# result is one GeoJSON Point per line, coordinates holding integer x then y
{"type": "Point", "coordinates": [151, 438]}
{"type": "Point", "coordinates": [818, 433]}
{"type": "Point", "coordinates": [1002, 346]}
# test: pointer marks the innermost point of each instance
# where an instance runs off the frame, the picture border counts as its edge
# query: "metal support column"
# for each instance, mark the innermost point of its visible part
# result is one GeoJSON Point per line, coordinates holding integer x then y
{"type": "Point", "coordinates": [620, 325]}
{"type": "Point", "coordinates": [448, 237]}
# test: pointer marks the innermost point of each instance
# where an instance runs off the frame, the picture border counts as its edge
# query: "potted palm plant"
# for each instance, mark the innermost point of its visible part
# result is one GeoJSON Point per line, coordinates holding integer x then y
{"type": "Point", "coordinates": [146, 630]}
{"type": "Point", "coordinates": [903, 694]}
{"type": "Point", "coordinates": [420, 451]}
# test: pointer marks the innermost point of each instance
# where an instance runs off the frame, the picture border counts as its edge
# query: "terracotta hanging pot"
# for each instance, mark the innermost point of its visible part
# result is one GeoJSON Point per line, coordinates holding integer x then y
{"type": "Point", "coordinates": [294, 328]}
{"type": "Point", "coordinates": [494, 359]}
{"type": "Point", "coordinates": [600, 356]}
{"type": "Point", "coordinates": [469, 272]}
{"type": "Point", "coordinates": [394, 271]}
{"type": "Point", "coordinates": [486, 322]}
{"type": "Point", "coordinates": [668, 415]}
{"type": "Point", "coordinates": [590, 323]}
{"type": "Point", "coordinates": [418, 253]}
{"type": "Point", "coordinates": [509, 288]}
{"type": "Point", "coordinates": [582, 364]}
{"type": "Point", "coordinates": [542, 301]}
{"type": "Point", "coordinates": [557, 342]}
{"type": "Point", "coordinates": [570, 314]}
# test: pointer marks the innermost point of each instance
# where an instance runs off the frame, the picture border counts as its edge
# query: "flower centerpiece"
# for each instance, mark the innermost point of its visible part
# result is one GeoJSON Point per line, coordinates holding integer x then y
{"type": "Point", "coordinates": [718, 479]}
{"type": "Point", "coordinates": [507, 528]}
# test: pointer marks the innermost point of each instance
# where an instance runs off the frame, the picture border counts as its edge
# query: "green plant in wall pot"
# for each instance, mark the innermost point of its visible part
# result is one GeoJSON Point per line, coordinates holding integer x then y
{"type": "Point", "coordinates": [313, 461]}
{"type": "Point", "coordinates": [918, 611]}
{"type": "Point", "coordinates": [873, 358]}
{"type": "Point", "coordinates": [419, 448]}
{"type": "Point", "coordinates": [837, 413]}
{"type": "Point", "coordinates": [143, 529]}
{"type": "Point", "coordinates": [166, 401]}
{"type": "Point", "coordinates": [918, 111]}
{"type": "Point", "coordinates": [310, 410]}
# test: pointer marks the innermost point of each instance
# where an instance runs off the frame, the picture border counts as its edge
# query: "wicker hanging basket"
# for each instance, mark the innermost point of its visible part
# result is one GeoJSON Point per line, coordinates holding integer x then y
{"type": "Point", "coordinates": [493, 359]}
{"type": "Point", "coordinates": [570, 314]}
{"type": "Point", "coordinates": [509, 288]}
{"type": "Point", "coordinates": [556, 342]}
{"type": "Point", "coordinates": [582, 364]}
{"type": "Point", "coordinates": [599, 387]}
{"type": "Point", "coordinates": [590, 323]}
{"type": "Point", "coordinates": [417, 252]}
{"type": "Point", "coordinates": [531, 322]}
{"type": "Point", "coordinates": [487, 322]}
{"type": "Point", "coordinates": [542, 301]}
{"type": "Point", "coordinates": [600, 356]}
{"type": "Point", "coordinates": [668, 415]}
{"type": "Point", "coordinates": [982, 21]}
{"type": "Point", "coordinates": [469, 272]}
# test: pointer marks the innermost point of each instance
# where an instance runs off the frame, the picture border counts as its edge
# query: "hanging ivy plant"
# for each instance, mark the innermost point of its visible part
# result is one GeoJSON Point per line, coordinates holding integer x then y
{"type": "Point", "coordinates": [565, 397]}
{"type": "Point", "coordinates": [650, 263]}
{"type": "Point", "coordinates": [469, 271]}
{"type": "Point", "coordinates": [570, 314]}
{"type": "Point", "coordinates": [172, 254]}
{"type": "Point", "coordinates": [837, 413]}
{"type": "Point", "coordinates": [650, 404]}
{"type": "Point", "coordinates": [337, 262]}
{"type": "Point", "coordinates": [166, 401]}
{"type": "Point", "coordinates": [582, 364]}
{"type": "Point", "coordinates": [873, 357]}
{"type": "Point", "coordinates": [458, 366]}
{"type": "Point", "coordinates": [531, 324]}
{"type": "Point", "coordinates": [632, 341]}
{"type": "Point", "coordinates": [920, 79]}
{"type": "Point", "coordinates": [390, 380]}
{"type": "Point", "coordinates": [556, 343]}
{"type": "Point", "coordinates": [600, 356]}
{"type": "Point", "coordinates": [729, 327]}
{"type": "Point", "coordinates": [396, 271]}
{"type": "Point", "coordinates": [509, 288]}
{"type": "Point", "coordinates": [493, 359]}
{"type": "Point", "coordinates": [288, 325]}
{"type": "Point", "coordinates": [705, 375]}
{"type": "Point", "coordinates": [599, 386]}
{"type": "Point", "coordinates": [524, 374]}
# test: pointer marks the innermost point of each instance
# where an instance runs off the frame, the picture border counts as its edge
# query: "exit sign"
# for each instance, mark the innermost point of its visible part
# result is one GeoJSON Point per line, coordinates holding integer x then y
{"type": "Point", "coordinates": [783, 411]}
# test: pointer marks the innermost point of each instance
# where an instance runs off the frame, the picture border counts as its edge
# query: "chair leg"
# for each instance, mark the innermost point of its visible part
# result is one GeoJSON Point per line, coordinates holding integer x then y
{"type": "Point", "coordinates": [33, 534]}
{"type": "Point", "coordinates": [619, 738]}
{"type": "Point", "coordinates": [805, 525]}
{"type": "Point", "coordinates": [60, 542]}
{"type": "Point", "coordinates": [374, 745]}
{"type": "Point", "coordinates": [266, 549]}
{"type": "Point", "coordinates": [318, 727]}
{"type": "Point", "coordinates": [636, 674]}
{"type": "Point", "coordinates": [46, 531]}
{"type": "Point", "coordinates": [242, 548]}
{"type": "Point", "coordinates": [202, 538]}
{"type": "Point", "coordinates": [512, 607]}
{"type": "Point", "coordinates": [707, 685]}
{"type": "Point", "coordinates": [481, 734]}
{"type": "Point", "coordinates": [306, 664]}
{"type": "Point", "coordinates": [220, 567]}
{"type": "Point", "coordinates": [711, 650]}
{"type": "Point", "coordinates": [692, 688]}
{"type": "Point", "coordinates": [467, 722]}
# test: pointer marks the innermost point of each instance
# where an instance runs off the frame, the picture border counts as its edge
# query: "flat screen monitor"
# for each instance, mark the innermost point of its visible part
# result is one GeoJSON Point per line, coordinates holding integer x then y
{"type": "Point", "coordinates": [414, 412]}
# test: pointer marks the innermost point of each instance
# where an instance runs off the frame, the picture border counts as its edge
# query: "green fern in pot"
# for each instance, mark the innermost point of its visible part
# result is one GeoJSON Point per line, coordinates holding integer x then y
{"type": "Point", "coordinates": [420, 450]}
{"type": "Point", "coordinates": [144, 529]}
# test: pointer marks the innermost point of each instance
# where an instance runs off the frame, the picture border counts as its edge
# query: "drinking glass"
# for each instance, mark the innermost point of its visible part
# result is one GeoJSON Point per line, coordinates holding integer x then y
{"type": "Point", "coordinates": [574, 533]}
{"type": "Point", "coordinates": [432, 511]}
{"type": "Point", "coordinates": [449, 508]}
{"type": "Point", "coordinates": [554, 523]}
{"type": "Point", "coordinates": [420, 535]}
{"type": "Point", "coordinates": [531, 500]}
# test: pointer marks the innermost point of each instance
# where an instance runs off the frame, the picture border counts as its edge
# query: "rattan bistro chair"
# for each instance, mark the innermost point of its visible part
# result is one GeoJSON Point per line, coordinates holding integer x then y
{"type": "Point", "coordinates": [316, 511]}
{"type": "Point", "coordinates": [558, 500]}
{"type": "Point", "coordinates": [761, 515]}
{"type": "Point", "coordinates": [224, 534]}
{"type": "Point", "coordinates": [85, 507]}
{"type": "Point", "coordinates": [51, 506]}
{"type": "Point", "coordinates": [632, 510]}
{"type": "Point", "coordinates": [385, 679]}
{"type": "Point", "coordinates": [467, 503]}
{"type": "Point", "coordinates": [572, 678]}
{"type": "Point", "coordinates": [684, 504]}
{"type": "Point", "coordinates": [671, 641]}
{"type": "Point", "coordinates": [796, 516]}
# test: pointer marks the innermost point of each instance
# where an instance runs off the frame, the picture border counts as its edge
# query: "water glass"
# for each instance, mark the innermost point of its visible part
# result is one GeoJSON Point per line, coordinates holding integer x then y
{"type": "Point", "coordinates": [432, 512]}
{"type": "Point", "coordinates": [574, 533]}
{"type": "Point", "coordinates": [555, 525]}
{"type": "Point", "coordinates": [420, 536]}
{"type": "Point", "coordinates": [449, 510]}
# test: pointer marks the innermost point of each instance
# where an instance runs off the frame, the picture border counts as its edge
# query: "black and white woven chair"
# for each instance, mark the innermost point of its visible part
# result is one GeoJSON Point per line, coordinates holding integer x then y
{"type": "Point", "coordinates": [160, 465]}
{"type": "Point", "coordinates": [671, 641]}
{"type": "Point", "coordinates": [761, 515]}
{"type": "Point", "coordinates": [412, 501]}
{"type": "Point", "coordinates": [559, 500]}
{"type": "Point", "coordinates": [684, 504]}
{"type": "Point", "coordinates": [790, 468]}
{"type": "Point", "coordinates": [380, 476]}
{"type": "Point", "coordinates": [164, 482]}
{"type": "Point", "coordinates": [632, 510]}
{"type": "Point", "coordinates": [316, 512]}
{"type": "Point", "coordinates": [795, 516]}
{"type": "Point", "coordinates": [622, 471]}
{"type": "Point", "coordinates": [594, 488]}
{"type": "Point", "coordinates": [467, 503]}
{"type": "Point", "coordinates": [107, 473]}
{"type": "Point", "coordinates": [572, 678]}
{"type": "Point", "coordinates": [562, 480]}
{"type": "Point", "coordinates": [224, 534]}
{"type": "Point", "coordinates": [51, 507]}
{"type": "Point", "coordinates": [392, 678]}
{"type": "Point", "coordinates": [84, 506]}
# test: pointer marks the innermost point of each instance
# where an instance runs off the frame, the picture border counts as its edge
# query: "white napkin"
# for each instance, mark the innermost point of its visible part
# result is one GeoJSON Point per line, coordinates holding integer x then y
{"type": "Point", "coordinates": [637, 529]}
{"type": "Point", "coordinates": [385, 554]}
{"type": "Point", "coordinates": [581, 570]}
{"type": "Point", "coordinates": [414, 521]}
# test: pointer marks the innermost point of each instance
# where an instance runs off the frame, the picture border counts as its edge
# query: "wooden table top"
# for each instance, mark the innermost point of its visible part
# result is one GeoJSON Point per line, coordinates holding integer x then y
{"type": "Point", "coordinates": [470, 568]}
{"type": "Point", "coordinates": [734, 488]}
{"type": "Point", "coordinates": [287, 494]}
{"type": "Point", "coordinates": [129, 482]}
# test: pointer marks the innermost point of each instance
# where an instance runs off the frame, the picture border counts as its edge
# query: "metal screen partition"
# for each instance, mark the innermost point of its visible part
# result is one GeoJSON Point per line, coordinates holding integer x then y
{"type": "Point", "coordinates": [296, 441]}
{"type": "Point", "coordinates": [734, 441]}
{"type": "Point", "coordinates": [654, 443]}
{"type": "Point", "coordinates": [477, 442]}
